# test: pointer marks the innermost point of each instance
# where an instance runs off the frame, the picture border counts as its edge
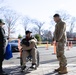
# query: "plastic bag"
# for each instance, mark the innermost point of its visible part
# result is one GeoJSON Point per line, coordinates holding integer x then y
{"type": "Point", "coordinates": [8, 52]}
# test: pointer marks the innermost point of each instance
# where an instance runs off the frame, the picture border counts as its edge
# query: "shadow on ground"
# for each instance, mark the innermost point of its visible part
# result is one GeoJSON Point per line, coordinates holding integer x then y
{"type": "Point", "coordinates": [54, 60]}
{"type": "Point", "coordinates": [15, 71]}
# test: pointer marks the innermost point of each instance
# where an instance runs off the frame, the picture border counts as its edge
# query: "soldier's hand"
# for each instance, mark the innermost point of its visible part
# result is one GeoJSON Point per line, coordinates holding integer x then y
{"type": "Point", "coordinates": [54, 41]}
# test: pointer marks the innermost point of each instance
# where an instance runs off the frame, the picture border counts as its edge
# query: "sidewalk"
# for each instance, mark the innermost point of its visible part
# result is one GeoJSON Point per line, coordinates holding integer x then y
{"type": "Point", "coordinates": [43, 69]}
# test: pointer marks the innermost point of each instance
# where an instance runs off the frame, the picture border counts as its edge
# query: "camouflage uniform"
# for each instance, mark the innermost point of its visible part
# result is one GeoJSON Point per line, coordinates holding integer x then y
{"type": "Point", "coordinates": [60, 38]}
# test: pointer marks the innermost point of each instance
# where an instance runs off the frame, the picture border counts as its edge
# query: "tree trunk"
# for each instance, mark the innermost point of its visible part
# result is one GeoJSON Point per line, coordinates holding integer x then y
{"type": "Point", "coordinates": [8, 32]}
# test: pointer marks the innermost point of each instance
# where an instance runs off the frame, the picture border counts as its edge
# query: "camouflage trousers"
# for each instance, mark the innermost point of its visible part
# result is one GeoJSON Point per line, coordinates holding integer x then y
{"type": "Point", "coordinates": [60, 54]}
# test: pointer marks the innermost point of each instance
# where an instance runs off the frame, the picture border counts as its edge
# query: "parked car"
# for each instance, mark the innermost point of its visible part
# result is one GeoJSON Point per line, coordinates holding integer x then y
{"type": "Point", "coordinates": [14, 45]}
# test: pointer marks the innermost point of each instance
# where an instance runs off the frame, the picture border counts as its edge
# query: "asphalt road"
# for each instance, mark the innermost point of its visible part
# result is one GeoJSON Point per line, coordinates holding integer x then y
{"type": "Point", "coordinates": [46, 56]}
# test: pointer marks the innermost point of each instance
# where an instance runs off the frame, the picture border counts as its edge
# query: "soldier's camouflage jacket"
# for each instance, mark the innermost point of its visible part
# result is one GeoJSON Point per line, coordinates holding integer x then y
{"type": "Point", "coordinates": [60, 32]}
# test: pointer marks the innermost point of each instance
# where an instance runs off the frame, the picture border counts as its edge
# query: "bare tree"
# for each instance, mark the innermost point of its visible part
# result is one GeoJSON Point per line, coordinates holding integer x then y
{"type": "Point", "coordinates": [47, 34]}
{"type": "Point", "coordinates": [64, 15]}
{"type": "Point", "coordinates": [72, 24]}
{"type": "Point", "coordinates": [25, 22]}
{"type": "Point", "coordinates": [10, 18]}
{"type": "Point", "coordinates": [70, 20]}
{"type": "Point", "coordinates": [38, 24]}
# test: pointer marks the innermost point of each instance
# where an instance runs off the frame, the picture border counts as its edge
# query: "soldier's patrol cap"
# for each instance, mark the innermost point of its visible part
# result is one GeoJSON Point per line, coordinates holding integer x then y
{"type": "Point", "coordinates": [1, 21]}
{"type": "Point", "coordinates": [56, 15]}
{"type": "Point", "coordinates": [28, 32]}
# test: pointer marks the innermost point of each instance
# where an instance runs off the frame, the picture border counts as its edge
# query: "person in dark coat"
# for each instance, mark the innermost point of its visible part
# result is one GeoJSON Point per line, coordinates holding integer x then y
{"type": "Point", "coordinates": [2, 46]}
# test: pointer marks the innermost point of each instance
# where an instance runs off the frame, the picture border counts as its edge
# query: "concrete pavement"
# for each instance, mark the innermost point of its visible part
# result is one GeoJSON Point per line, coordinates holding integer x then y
{"type": "Point", "coordinates": [48, 63]}
{"type": "Point", "coordinates": [43, 69]}
{"type": "Point", "coordinates": [46, 56]}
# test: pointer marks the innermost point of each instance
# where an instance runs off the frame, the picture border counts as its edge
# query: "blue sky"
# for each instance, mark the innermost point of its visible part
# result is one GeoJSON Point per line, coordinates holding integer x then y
{"type": "Point", "coordinates": [41, 9]}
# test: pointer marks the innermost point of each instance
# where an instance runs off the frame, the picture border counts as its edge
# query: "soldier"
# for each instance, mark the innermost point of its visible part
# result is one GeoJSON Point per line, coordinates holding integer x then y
{"type": "Point", "coordinates": [60, 39]}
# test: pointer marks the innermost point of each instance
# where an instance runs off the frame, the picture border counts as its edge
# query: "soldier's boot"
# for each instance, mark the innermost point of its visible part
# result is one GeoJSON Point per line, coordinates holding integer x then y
{"type": "Point", "coordinates": [58, 69]}
{"type": "Point", "coordinates": [63, 70]}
